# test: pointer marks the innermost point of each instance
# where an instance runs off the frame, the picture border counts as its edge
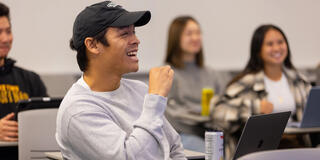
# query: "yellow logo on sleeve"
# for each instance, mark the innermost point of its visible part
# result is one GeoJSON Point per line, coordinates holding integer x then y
{"type": "Point", "coordinates": [11, 94]}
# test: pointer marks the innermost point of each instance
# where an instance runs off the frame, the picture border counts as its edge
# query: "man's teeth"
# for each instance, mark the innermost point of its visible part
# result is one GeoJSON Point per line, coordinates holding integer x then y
{"type": "Point", "coordinates": [132, 53]}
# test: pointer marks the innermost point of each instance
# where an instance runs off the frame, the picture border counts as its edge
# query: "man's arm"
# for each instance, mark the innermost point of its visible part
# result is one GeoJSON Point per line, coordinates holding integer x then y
{"type": "Point", "coordinates": [38, 87]}
{"type": "Point", "coordinates": [176, 147]}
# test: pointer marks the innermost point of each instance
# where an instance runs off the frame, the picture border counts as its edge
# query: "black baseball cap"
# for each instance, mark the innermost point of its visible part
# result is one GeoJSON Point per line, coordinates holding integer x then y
{"type": "Point", "coordinates": [97, 17]}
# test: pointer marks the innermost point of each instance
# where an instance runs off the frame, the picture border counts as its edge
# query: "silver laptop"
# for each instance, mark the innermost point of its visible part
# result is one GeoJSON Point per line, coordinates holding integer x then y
{"type": "Point", "coordinates": [262, 132]}
{"type": "Point", "coordinates": [311, 112]}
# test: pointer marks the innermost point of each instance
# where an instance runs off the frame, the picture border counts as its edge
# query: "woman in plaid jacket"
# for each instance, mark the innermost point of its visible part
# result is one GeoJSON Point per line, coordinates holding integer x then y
{"type": "Point", "coordinates": [269, 83]}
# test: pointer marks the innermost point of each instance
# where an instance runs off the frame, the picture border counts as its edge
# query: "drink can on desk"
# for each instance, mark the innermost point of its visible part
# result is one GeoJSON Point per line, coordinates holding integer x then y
{"type": "Point", "coordinates": [214, 145]}
{"type": "Point", "coordinates": [207, 94]}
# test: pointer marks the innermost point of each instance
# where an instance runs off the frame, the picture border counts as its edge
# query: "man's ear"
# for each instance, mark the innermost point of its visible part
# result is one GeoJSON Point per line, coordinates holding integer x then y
{"type": "Point", "coordinates": [91, 45]}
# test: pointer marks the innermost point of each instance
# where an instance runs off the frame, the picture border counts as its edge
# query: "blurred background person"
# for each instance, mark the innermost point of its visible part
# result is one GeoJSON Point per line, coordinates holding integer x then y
{"type": "Point", "coordinates": [15, 84]}
{"type": "Point", "coordinates": [185, 55]}
{"type": "Point", "coordinates": [269, 83]}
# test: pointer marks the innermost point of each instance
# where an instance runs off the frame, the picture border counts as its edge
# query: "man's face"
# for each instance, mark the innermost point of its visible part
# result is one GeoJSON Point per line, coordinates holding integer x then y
{"type": "Point", "coordinates": [121, 54]}
{"type": "Point", "coordinates": [5, 36]}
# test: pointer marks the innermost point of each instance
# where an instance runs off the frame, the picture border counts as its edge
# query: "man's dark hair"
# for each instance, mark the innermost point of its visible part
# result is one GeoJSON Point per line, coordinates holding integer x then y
{"type": "Point", "coordinates": [4, 11]}
{"type": "Point", "coordinates": [82, 57]}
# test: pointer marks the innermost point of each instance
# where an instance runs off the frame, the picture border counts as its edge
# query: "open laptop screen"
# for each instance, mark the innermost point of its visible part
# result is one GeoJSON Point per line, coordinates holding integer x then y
{"type": "Point", "coordinates": [311, 112]}
{"type": "Point", "coordinates": [262, 132]}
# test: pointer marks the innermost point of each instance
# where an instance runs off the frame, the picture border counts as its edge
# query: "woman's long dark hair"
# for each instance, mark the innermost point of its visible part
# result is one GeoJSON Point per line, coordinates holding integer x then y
{"type": "Point", "coordinates": [174, 55]}
{"type": "Point", "coordinates": [255, 63]}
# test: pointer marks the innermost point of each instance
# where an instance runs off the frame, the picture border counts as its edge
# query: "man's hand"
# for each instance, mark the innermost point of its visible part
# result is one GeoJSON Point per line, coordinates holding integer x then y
{"type": "Point", "coordinates": [266, 107]}
{"type": "Point", "coordinates": [8, 129]}
{"type": "Point", "coordinates": [160, 80]}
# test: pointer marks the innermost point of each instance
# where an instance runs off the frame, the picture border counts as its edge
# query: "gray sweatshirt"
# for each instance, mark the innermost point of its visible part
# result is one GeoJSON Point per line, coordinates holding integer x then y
{"type": "Point", "coordinates": [184, 99]}
{"type": "Point", "coordinates": [127, 123]}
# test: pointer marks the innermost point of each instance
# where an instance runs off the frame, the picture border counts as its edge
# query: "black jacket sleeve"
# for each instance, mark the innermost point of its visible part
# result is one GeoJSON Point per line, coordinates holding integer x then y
{"type": "Point", "coordinates": [38, 87]}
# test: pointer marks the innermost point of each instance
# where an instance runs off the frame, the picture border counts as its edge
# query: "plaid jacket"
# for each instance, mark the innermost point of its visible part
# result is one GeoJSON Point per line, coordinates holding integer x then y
{"type": "Point", "coordinates": [242, 99]}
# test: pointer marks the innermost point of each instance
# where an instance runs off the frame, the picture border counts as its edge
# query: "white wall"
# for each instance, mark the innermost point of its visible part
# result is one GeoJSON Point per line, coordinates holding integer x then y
{"type": "Point", "coordinates": [42, 29]}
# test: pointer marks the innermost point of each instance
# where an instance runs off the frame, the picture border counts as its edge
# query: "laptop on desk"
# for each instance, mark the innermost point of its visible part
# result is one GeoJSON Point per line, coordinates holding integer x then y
{"type": "Point", "coordinates": [311, 114]}
{"type": "Point", "coordinates": [262, 132]}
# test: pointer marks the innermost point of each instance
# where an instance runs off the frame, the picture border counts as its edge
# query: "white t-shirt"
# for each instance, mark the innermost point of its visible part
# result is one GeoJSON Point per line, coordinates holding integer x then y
{"type": "Point", "coordinates": [280, 95]}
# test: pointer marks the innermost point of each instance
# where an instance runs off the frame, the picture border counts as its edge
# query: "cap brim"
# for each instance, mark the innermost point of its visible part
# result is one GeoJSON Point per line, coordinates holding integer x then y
{"type": "Point", "coordinates": [138, 18]}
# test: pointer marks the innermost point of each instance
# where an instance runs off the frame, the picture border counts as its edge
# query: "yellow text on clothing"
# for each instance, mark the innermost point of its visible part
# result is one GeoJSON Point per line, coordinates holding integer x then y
{"type": "Point", "coordinates": [11, 94]}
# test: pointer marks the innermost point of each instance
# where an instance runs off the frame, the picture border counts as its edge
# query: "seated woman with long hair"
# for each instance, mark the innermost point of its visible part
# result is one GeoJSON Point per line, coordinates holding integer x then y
{"type": "Point", "coordinates": [269, 83]}
{"type": "Point", "coordinates": [185, 55]}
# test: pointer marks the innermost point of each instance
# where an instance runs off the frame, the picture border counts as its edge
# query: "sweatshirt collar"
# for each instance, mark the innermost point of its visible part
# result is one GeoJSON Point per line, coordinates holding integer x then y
{"type": "Point", "coordinates": [7, 67]}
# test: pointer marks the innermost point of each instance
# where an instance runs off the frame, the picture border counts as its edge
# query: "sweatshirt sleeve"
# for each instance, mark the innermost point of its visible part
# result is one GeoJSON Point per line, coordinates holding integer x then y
{"type": "Point", "coordinates": [38, 87]}
{"type": "Point", "coordinates": [95, 135]}
{"type": "Point", "coordinates": [176, 147]}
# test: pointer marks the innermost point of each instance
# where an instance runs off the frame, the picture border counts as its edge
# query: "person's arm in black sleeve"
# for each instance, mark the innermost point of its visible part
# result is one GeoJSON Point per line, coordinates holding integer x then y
{"type": "Point", "coordinates": [38, 87]}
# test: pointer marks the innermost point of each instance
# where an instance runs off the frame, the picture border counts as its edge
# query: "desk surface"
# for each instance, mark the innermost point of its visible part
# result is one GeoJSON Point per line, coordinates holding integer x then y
{"type": "Point", "coordinates": [196, 118]}
{"type": "Point", "coordinates": [8, 144]}
{"type": "Point", "coordinates": [292, 130]}
{"type": "Point", "coordinates": [189, 154]}
{"type": "Point", "coordinates": [193, 154]}
{"type": "Point", "coordinates": [292, 154]}
{"type": "Point", "coordinates": [54, 155]}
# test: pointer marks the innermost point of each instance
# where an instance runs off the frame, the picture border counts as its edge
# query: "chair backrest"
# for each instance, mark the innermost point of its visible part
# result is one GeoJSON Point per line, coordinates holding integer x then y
{"type": "Point", "coordinates": [37, 133]}
{"type": "Point", "coordinates": [292, 154]}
